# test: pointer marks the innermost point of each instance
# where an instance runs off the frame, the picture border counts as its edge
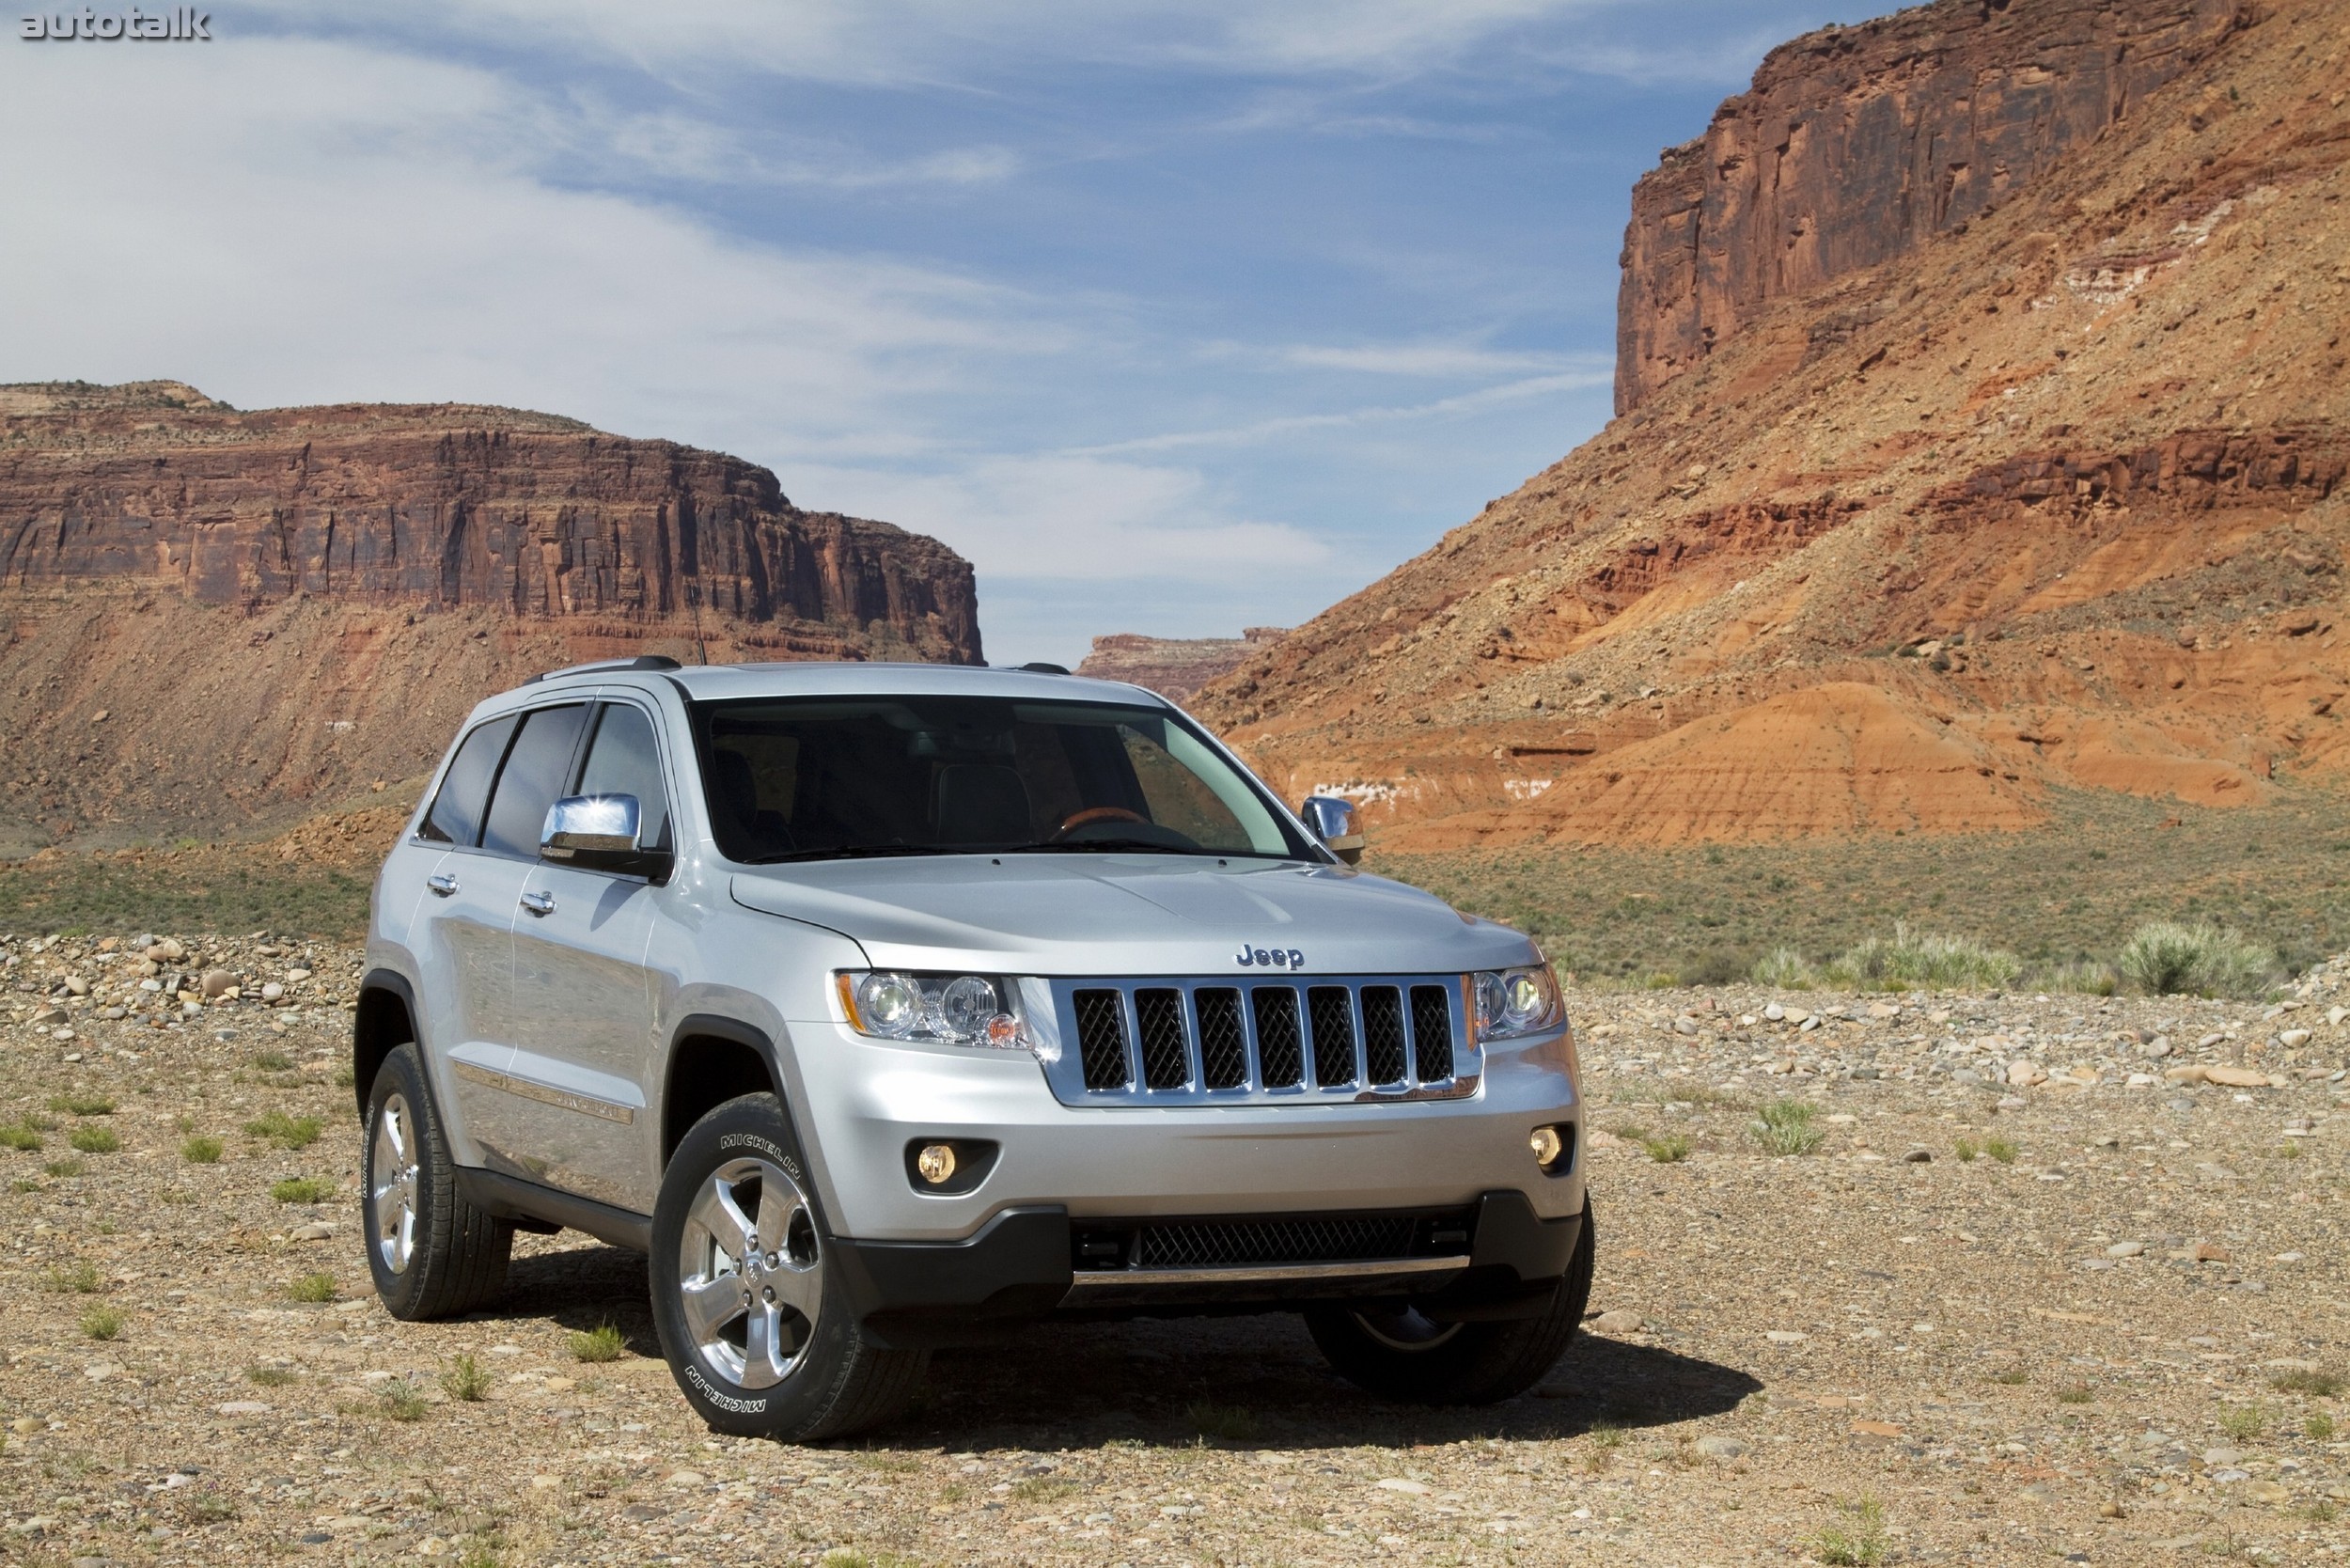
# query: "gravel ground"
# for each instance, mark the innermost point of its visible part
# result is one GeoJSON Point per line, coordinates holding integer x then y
{"type": "Point", "coordinates": [2105, 1338]}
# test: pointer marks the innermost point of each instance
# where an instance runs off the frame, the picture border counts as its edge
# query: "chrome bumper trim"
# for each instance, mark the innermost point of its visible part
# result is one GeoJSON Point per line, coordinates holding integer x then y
{"type": "Point", "coordinates": [1261, 1274]}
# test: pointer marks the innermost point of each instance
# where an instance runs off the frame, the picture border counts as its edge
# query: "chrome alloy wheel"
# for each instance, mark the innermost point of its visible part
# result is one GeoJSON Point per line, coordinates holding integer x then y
{"type": "Point", "coordinates": [1409, 1331]}
{"type": "Point", "coordinates": [751, 1273]}
{"type": "Point", "coordinates": [392, 1185]}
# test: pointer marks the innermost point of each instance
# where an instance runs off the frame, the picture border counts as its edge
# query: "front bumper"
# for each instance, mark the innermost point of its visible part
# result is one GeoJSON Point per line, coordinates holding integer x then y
{"type": "Point", "coordinates": [861, 1104]}
{"type": "Point", "coordinates": [1022, 1267]}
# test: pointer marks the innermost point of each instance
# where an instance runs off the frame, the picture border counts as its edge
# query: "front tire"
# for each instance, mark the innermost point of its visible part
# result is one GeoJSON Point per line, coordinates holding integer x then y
{"type": "Point", "coordinates": [1407, 1357]}
{"type": "Point", "coordinates": [754, 1321]}
{"type": "Point", "coordinates": [433, 1254]}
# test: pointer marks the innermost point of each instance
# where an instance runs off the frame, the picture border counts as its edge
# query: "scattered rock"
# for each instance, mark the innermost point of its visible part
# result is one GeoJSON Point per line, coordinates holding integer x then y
{"type": "Point", "coordinates": [1715, 1446]}
{"type": "Point", "coordinates": [1622, 1321]}
{"type": "Point", "coordinates": [1397, 1484]}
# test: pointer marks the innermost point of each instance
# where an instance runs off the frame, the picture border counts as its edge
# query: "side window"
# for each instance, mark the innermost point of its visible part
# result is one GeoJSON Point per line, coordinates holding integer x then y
{"type": "Point", "coordinates": [624, 759]}
{"type": "Point", "coordinates": [534, 775]}
{"type": "Point", "coordinates": [456, 814]}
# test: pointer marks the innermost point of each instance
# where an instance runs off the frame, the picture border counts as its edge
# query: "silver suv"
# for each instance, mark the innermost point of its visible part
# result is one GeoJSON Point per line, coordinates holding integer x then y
{"type": "Point", "coordinates": [886, 1007]}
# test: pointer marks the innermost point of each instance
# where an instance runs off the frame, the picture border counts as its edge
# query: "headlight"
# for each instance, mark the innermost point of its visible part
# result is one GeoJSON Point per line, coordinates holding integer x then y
{"type": "Point", "coordinates": [955, 1009]}
{"type": "Point", "coordinates": [1513, 1002]}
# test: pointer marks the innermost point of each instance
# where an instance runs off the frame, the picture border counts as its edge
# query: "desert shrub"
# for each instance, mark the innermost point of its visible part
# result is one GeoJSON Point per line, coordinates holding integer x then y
{"type": "Point", "coordinates": [1671, 1149]}
{"type": "Point", "coordinates": [2300, 1380]}
{"type": "Point", "coordinates": [95, 1140]}
{"type": "Point", "coordinates": [1910, 959]}
{"type": "Point", "coordinates": [600, 1343]}
{"type": "Point", "coordinates": [103, 1322]}
{"type": "Point", "coordinates": [466, 1379]}
{"type": "Point", "coordinates": [2163, 958]}
{"type": "Point", "coordinates": [302, 1189]}
{"type": "Point", "coordinates": [1714, 966]}
{"type": "Point", "coordinates": [1784, 1127]}
{"type": "Point", "coordinates": [312, 1289]}
{"type": "Point", "coordinates": [1860, 1543]}
{"type": "Point", "coordinates": [1228, 1422]}
{"type": "Point", "coordinates": [286, 1132]}
{"type": "Point", "coordinates": [201, 1151]}
{"type": "Point", "coordinates": [77, 1279]}
{"type": "Point", "coordinates": [82, 1105]}
{"type": "Point", "coordinates": [1786, 969]}
{"type": "Point", "coordinates": [2081, 979]}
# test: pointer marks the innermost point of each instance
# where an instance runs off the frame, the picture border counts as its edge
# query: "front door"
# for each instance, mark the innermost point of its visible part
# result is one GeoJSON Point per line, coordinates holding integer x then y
{"type": "Point", "coordinates": [583, 1006]}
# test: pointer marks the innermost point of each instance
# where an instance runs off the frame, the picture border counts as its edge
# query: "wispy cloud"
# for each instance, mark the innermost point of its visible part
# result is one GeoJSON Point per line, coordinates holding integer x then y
{"type": "Point", "coordinates": [1291, 424]}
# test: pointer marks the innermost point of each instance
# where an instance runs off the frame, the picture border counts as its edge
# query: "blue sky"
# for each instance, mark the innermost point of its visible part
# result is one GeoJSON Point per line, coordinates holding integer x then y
{"type": "Point", "coordinates": [1175, 316]}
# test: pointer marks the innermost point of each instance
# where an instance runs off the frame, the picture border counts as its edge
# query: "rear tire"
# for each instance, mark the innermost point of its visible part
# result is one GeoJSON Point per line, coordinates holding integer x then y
{"type": "Point", "coordinates": [1406, 1357]}
{"type": "Point", "coordinates": [754, 1321]}
{"type": "Point", "coordinates": [433, 1254]}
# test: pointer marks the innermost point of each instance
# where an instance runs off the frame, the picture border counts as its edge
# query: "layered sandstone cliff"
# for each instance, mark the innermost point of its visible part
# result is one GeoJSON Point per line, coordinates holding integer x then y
{"type": "Point", "coordinates": [2058, 501]}
{"type": "Point", "coordinates": [211, 618]}
{"type": "Point", "coordinates": [1858, 144]}
{"type": "Point", "coordinates": [1175, 667]}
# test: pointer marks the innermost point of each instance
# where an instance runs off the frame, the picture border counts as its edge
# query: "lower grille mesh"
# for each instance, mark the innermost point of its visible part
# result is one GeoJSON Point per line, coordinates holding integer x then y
{"type": "Point", "coordinates": [1335, 1239]}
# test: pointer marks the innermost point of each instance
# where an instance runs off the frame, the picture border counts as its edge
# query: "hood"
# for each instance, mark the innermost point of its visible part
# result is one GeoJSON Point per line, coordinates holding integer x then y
{"type": "Point", "coordinates": [1127, 915]}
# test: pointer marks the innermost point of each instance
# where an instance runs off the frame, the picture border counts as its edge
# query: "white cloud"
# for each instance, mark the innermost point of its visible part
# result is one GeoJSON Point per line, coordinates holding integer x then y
{"type": "Point", "coordinates": [1266, 430]}
{"type": "Point", "coordinates": [901, 41]}
{"type": "Point", "coordinates": [306, 222]}
{"type": "Point", "coordinates": [1440, 360]}
{"type": "Point", "coordinates": [1075, 517]}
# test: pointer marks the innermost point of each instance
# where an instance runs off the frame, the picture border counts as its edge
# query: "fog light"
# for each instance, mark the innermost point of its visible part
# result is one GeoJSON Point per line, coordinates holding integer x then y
{"type": "Point", "coordinates": [1547, 1146]}
{"type": "Point", "coordinates": [936, 1162]}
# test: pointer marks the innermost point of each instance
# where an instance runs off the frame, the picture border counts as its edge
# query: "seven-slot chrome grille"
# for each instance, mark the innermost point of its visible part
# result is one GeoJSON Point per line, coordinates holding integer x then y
{"type": "Point", "coordinates": [1287, 1041]}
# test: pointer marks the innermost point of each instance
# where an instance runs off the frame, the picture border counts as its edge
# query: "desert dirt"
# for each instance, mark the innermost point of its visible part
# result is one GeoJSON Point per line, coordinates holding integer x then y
{"type": "Point", "coordinates": [2105, 1338]}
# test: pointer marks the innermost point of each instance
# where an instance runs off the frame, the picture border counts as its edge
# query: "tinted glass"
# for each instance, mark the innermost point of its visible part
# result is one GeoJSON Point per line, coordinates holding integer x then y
{"type": "Point", "coordinates": [818, 778]}
{"type": "Point", "coordinates": [456, 814]}
{"type": "Point", "coordinates": [622, 759]}
{"type": "Point", "coordinates": [535, 773]}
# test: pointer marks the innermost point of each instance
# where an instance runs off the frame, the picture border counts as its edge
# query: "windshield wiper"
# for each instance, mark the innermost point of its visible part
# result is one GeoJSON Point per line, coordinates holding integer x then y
{"type": "Point", "coordinates": [848, 852]}
{"type": "Point", "coordinates": [1108, 846]}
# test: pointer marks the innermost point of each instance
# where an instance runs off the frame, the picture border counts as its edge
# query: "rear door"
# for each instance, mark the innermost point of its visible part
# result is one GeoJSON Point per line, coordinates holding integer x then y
{"type": "Point", "coordinates": [476, 921]}
{"type": "Point", "coordinates": [583, 999]}
{"type": "Point", "coordinates": [459, 932]}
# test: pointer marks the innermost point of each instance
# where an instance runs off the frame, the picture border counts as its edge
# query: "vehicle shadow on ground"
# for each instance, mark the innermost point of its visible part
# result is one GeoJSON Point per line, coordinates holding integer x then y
{"type": "Point", "coordinates": [1259, 1381]}
{"type": "Point", "coordinates": [1252, 1381]}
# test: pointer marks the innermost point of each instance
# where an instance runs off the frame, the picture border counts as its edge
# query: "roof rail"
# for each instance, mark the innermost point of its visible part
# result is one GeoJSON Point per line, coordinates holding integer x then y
{"type": "Point", "coordinates": [643, 661]}
{"type": "Point", "coordinates": [1040, 667]}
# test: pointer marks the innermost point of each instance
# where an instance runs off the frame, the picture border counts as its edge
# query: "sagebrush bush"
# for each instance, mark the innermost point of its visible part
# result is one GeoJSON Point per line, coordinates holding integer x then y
{"type": "Point", "coordinates": [2163, 958]}
{"type": "Point", "coordinates": [1785, 969]}
{"type": "Point", "coordinates": [1911, 959]}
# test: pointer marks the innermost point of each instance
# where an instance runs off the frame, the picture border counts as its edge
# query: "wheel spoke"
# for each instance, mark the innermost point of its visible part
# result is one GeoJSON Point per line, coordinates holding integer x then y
{"type": "Point", "coordinates": [777, 1205]}
{"type": "Point", "coordinates": [764, 1355]}
{"type": "Point", "coordinates": [717, 1213]}
{"type": "Point", "coordinates": [801, 1289]}
{"type": "Point", "coordinates": [395, 1132]}
{"type": "Point", "coordinates": [711, 1303]}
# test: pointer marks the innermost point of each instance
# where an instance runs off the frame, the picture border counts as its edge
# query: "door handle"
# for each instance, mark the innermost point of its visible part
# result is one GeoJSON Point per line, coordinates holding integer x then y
{"type": "Point", "coordinates": [443, 885]}
{"type": "Point", "coordinates": [539, 904]}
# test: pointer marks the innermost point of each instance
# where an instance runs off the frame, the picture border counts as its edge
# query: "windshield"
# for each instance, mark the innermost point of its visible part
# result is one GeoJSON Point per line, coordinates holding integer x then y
{"type": "Point", "coordinates": [813, 778]}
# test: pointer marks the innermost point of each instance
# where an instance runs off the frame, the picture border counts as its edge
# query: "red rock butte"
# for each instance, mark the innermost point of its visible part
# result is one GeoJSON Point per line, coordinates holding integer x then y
{"type": "Point", "coordinates": [209, 615]}
{"type": "Point", "coordinates": [1984, 434]}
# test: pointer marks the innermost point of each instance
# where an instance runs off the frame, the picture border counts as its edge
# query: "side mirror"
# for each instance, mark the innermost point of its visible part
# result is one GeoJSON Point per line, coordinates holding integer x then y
{"type": "Point", "coordinates": [1335, 824]}
{"type": "Point", "coordinates": [600, 833]}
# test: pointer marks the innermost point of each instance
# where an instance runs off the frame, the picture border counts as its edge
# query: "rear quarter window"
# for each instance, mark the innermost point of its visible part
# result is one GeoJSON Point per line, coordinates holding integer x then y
{"type": "Point", "coordinates": [456, 814]}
